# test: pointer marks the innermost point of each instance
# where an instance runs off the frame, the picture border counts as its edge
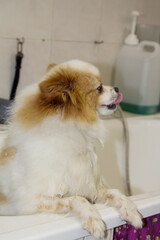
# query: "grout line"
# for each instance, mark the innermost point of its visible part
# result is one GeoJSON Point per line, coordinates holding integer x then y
{"type": "Point", "coordinates": [51, 33]}
{"type": "Point", "coordinates": [100, 31]}
{"type": "Point", "coordinates": [100, 20]}
{"type": "Point", "coordinates": [65, 41]}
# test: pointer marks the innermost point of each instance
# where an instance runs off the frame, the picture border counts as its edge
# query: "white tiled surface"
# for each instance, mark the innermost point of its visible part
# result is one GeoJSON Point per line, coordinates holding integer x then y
{"type": "Point", "coordinates": [69, 29]}
{"type": "Point", "coordinates": [107, 56]}
{"type": "Point", "coordinates": [35, 61]}
{"type": "Point", "coordinates": [28, 18]}
{"type": "Point", "coordinates": [116, 18]}
{"type": "Point", "coordinates": [151, 12]}
{"type": "Point", "coordinates": [78, 20]}
{"type": "Point", "coordinates": [63, 51]}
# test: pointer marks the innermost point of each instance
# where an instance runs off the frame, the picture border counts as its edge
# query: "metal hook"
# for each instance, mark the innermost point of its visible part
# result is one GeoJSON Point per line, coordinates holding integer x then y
{"type": "Point", "coordinates": [20, 45]}
{"type": "Point", "coordinates": [98, 42]}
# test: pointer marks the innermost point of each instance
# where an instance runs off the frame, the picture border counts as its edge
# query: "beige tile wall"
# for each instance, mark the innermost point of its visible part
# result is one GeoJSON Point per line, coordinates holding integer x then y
{"type": "Point", "coordinates": [59, 30]}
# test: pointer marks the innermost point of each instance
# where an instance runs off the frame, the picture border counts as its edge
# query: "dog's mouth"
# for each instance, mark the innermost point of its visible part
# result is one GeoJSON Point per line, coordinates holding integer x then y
{"type": "Point", "coordinates": [113, 105]}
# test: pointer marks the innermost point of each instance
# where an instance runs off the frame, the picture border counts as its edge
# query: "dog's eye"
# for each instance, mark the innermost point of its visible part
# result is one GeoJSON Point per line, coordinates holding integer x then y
{"type": "Point", "coordinates": [100, 89]}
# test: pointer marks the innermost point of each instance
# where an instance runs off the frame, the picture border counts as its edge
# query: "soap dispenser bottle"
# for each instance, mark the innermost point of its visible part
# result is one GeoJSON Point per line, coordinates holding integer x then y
{"type": "Point", "coordinates": [137, 74]}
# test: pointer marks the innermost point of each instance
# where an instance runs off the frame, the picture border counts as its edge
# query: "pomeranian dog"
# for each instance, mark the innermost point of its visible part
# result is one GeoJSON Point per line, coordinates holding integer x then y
{"type": "Point", "coordinates": [48, 161]}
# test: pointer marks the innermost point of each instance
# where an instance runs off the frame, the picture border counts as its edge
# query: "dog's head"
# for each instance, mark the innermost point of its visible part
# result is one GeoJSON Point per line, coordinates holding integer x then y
{"type": "Point", "coordinates": [71, 90]}
{"type": "Point", "coordinates": [74, 90]}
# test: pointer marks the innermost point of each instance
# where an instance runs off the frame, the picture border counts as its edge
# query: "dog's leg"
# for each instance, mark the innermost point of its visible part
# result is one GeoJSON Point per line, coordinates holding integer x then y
{"type": "Point", "coordinates": [123, 204]}
{"type": "Point", "coordinates": [88, 215]}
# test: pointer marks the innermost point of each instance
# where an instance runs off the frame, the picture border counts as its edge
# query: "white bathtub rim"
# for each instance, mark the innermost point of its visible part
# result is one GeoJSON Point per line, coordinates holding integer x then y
{"type": "Point", "coordinates": [70, 228]}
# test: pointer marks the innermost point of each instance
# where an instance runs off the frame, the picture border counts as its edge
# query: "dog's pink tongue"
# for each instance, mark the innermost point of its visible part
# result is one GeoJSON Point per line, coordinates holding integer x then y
{"type": "Point", "coordinates": [119, 99]}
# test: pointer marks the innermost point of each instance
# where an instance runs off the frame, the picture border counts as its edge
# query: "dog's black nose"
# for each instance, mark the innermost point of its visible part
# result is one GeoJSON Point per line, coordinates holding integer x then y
{"type": "Point", "coordinates": [116, 89]}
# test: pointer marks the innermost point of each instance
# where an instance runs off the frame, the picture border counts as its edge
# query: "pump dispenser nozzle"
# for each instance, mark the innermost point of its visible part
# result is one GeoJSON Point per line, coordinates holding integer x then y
{"type": "Point", "coordinates": [132, 39]}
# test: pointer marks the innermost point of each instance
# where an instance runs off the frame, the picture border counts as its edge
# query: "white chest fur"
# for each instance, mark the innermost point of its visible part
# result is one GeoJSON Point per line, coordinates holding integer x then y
{"type": "Point", "coordinates": [59, 158]}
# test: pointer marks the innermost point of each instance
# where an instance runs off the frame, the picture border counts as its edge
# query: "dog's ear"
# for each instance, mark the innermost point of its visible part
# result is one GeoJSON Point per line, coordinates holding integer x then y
{"type": "Point", "coordinates": [51, 65]}
{"type": "Point", "coordinates": [58, 90]}
{"type": "Point", "coordinates": [69, 94]}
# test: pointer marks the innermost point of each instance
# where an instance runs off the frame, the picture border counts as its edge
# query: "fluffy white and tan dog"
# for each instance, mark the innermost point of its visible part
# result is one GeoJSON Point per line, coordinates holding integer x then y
{"type": "Point", "coordinates": [48, 162]}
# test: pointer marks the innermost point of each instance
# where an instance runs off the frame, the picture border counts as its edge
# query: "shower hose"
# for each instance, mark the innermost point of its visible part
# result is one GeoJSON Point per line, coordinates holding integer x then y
{"type": "Point", "coordinates": [126, 146]}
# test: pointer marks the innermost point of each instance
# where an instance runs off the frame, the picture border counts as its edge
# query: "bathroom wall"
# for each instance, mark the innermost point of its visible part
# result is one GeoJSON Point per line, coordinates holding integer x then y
{"type": "Point", "coordinates": [59, 30]}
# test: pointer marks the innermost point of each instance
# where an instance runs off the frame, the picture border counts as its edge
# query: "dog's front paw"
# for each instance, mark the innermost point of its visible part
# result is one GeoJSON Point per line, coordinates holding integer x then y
{"type": "Point", "coordinates": [134, 218]}
{"type": "Point", "coordinates": [130, 214]}
{"type": "Point", "coordinates": [95, 226]}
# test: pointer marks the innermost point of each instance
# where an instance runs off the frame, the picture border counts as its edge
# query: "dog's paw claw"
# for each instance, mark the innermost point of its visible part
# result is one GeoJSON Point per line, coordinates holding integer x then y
{"type": "Point", "coordinates": [95, 226]}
